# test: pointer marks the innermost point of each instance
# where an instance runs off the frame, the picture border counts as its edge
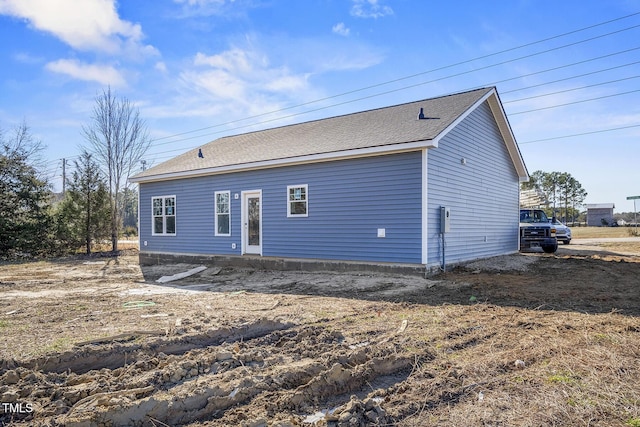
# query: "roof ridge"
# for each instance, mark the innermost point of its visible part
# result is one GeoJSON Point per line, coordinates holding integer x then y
{"type": "Point", "coordinates": [376, 130]}
{"type": "Point", "coordinates": [354, 113]}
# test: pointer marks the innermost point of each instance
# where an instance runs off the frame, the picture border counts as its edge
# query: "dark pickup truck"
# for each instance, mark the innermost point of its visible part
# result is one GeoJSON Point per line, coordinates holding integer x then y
{"type": "Point", "coordinates": [536, 231]}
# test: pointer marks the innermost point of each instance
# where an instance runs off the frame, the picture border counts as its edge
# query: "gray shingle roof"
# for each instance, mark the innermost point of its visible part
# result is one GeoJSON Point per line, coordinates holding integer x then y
{"type": "Point", "coordinates": [382, 127]}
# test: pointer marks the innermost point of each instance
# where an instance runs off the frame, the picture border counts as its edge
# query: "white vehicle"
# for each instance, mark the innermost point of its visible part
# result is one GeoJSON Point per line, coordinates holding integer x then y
{"type": "Point", "coordinates": [563, 233]}
{"type": "Point", "coordinates": [537, 231]}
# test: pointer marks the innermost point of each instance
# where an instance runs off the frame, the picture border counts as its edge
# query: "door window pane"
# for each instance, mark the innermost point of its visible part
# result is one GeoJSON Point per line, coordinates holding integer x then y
{"type": "Point", "coordinates": [254, 221]}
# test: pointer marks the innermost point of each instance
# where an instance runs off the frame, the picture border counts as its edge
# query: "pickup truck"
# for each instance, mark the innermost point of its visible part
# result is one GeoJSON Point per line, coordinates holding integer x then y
{"type": "Point", "coordinates": [536, 231]}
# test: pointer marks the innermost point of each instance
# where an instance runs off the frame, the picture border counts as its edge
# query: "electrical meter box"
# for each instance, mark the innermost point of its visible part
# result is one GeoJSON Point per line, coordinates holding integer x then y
{"type": "Point", "coordinates": [445, 219]}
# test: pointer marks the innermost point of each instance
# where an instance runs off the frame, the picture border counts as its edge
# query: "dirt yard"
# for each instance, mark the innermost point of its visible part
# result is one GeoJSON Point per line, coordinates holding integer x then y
{"type": "Point", "coordinates": [521, 340]}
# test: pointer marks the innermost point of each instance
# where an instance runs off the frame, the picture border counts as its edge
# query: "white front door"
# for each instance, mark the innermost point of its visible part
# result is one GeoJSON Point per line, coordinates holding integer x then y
{"type": "Point", "coordinates": [252, 222]}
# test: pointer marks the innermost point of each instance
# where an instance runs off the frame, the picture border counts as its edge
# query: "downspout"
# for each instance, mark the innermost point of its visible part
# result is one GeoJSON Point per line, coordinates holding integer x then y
{"type": "Point", "coordinates": [424, 194]}
{"type": "Point", "coordinates": [444, 264]}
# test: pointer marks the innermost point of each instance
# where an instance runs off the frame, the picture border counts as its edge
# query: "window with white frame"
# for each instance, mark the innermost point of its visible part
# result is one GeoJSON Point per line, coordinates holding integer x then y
{"type": "Point", "coordinates": [164, 215]}
{"type": "Point", "coordinates": [223, 213]}
{"type": "Point", "coordinates": [298, 200]}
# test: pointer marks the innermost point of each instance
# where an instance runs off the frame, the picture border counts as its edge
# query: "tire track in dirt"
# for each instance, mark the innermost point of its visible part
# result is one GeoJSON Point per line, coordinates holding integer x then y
{"type": "Point", "coordinates": [273, 367]}
{"type": "Point", "coordinates": [116, 355]}
{"type": "Point", "coordinates": [332, 356]}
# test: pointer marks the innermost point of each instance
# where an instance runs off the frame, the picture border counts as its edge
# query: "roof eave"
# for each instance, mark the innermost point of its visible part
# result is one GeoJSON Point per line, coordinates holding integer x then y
{"type": "Point", "coordinates": [505, 130]}
{"type": "Point", "coordinates": [507, 134]}
{"type": "Point", "coordinates": [289, 161]}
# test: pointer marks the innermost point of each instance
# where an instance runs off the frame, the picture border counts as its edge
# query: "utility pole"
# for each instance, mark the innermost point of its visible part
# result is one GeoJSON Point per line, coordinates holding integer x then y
{"type": "Point", "coordinates": [64, 175]}
{"type": "Point", "coordinates": [144, 165]}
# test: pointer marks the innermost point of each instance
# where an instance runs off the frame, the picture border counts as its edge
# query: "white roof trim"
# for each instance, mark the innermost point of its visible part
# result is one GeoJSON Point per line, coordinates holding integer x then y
{"type": "Point", "coordinates": [505, 130]}
{"type": "Point", "coordinates": [600, 205]}
{"type": "Point", "coordinates": [314, 158]}
{"type": "Point", "coordinates": [507, 134]}
{"type": "Point", "coordinates": [491, 97]}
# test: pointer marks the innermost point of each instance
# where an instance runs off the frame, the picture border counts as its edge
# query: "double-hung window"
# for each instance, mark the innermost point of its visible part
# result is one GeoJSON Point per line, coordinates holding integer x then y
{"type": "Point", "coordinates": [298, 200]}
{"type": "Point", "coordinates": [164, 215]}
{"type": "Point", "coordinates": [223, 213]}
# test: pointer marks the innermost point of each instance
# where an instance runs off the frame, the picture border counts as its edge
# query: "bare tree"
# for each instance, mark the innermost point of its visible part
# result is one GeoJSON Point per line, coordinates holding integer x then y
{"type": "Point", "coordinates": [21, 142]}
{"type": "Point", "coordinates": [118, 138]}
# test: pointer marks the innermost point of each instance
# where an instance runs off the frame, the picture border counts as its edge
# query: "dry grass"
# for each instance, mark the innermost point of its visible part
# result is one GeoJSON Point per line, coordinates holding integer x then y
{"type": "Point", "coordinates": [626, 247]}
{"type": "Point", "coordinates": [579, 369]}
{"type": "Point", "coordinates": [600, 232]}
{"type": "Point", "coordinates": [106, 246]}
{"type": "Point", "coordinates": [580, 360]}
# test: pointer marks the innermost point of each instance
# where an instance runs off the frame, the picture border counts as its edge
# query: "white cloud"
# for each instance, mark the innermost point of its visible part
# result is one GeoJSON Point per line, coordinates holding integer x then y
{"type": "Point", "coordinates": [340, 29]}
{"type": "Point", "coordinates": [370, 9]}
{"type": "Point", "coordinates": [343, 61]}
{"type": "Point", "coordinates": [322, 55]}
{"type": "Point", "coordinates": [218, 83]}
{"type": "Point", "coordinates": [88, 25]}
{"type": "Point", "coordinates": [161, 66]}
{"type": "Point", "coordinates": [201, 3]}
{"type": "Point", "coordinates": [27, 58]}
{"type": "Point", "coordinates": [241, 82]}
{"type": "Point", "coordinates": [103, 74]}
{"type": "Point", "coordinates": [287, 83]}
{"type": "Point", "coordinates": [259, 74]}
{"type": "Point", "coordinates": [235, 73]}
{"type": "Point", "coordinates": [234, 61]}
{"type": "Point", "coordinates": [225, 8]}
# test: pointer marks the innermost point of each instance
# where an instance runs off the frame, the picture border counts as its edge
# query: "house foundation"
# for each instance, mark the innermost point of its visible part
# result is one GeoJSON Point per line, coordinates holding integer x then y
{"type": "Point", "coordinates": [282, 264]}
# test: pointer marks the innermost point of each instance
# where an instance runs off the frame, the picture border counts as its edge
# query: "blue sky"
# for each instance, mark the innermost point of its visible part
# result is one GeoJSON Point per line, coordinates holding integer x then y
{"type": "Point", "coordinates": [568, 72]}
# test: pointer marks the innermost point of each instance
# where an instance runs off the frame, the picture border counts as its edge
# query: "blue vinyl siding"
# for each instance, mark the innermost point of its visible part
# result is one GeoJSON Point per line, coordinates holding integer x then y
{"type": "Point", "coordinates": [348, 200]}
{"type": "Point", "coordinates": [482, 194]}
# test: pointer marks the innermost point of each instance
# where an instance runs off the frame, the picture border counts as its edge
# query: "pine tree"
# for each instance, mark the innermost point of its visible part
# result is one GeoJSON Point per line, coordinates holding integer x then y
{"type": "Point", "coordinates": [560, 189]}
{"type": "Point", "coordinates": [26, 224]}
{"type": "Point", "coordinates": [84, 215]}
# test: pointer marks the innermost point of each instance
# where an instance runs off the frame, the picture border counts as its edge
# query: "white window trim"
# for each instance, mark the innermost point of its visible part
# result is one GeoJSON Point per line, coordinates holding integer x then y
{"type": "Point", "coordinates": [306, 192]}
{"type": "Point", "coordinates": [164, 216]}
{"type": "Point", "coordinates": [215, 212]}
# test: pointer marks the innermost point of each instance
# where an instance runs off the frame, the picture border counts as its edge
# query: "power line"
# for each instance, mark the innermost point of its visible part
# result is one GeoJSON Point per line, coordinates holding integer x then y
{"type": "Point", "coordinates": [521, 112]}
{"type": "Point", "coordinates": [575, 102]}
{"type": "Point", "coordinates": [570, 90]}
{"type": "Point", "coordinates": [564, 79]}
{"type": "Point", "coordinates": [429, 81]}
{"type": "Point", "coordinates": [56, 161]}
{"type": "Point", "coordinates": [519, 143]}
{"type": "Point", "coordinates": [579, 134]}
{"type": "Point", "coordinates": [406, 78]}
{"type": "Point", "coordinates": [506, 102]}
{"type": "Point", "coordinates": [397, 90]}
